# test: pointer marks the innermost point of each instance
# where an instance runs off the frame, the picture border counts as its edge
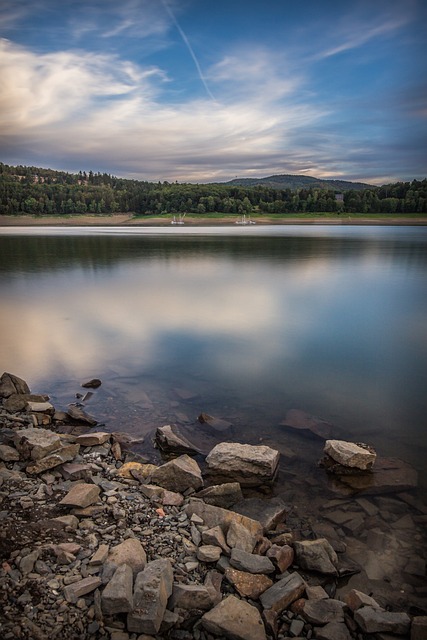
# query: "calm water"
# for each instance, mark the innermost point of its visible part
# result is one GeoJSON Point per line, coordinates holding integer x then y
{"type": "Point", "coordinates": [253, 321]}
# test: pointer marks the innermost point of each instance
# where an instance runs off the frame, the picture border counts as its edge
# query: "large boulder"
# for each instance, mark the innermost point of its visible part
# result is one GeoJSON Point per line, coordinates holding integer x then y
{"type": "Point", "coordinates": [350, 454]}
{"type": "Point", "coordinates": [153, 587]}
{"type": "Point", "coordinates": [247, 464]}
{"type": "Point", "coordinates": [10, 384]}
{"type": "Point", "coordinates": [179, 475]}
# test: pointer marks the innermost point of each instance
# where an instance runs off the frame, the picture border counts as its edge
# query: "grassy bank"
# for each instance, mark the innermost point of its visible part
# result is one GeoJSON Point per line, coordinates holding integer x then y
{"type": "Point", "coordinates": [213, 219]}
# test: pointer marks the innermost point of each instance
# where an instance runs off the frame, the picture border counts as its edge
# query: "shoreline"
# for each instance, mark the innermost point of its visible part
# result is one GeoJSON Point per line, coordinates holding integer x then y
{"type": "Point", "coordinates": [124, 220]}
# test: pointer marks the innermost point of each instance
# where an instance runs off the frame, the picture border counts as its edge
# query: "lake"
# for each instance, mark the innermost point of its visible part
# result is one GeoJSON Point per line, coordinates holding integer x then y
{"type": "Point", "coordinates": [250, 322]}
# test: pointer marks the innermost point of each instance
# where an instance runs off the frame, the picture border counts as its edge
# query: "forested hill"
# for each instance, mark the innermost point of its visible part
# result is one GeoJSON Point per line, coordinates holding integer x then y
{"type": "Point", "coordinates": [38, 191]}
{"type": "Point", "coordinates": [293, 182]}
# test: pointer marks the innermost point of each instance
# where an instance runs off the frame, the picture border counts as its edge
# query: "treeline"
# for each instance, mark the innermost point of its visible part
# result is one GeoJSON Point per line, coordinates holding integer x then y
{"type": "Point", "coordinates": [31, 190]}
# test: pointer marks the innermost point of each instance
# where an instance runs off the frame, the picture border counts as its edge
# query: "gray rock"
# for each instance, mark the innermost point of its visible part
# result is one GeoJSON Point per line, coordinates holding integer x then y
{"type": "Point", "coordinates": [26, 564]}
{"type": "Point", "coordinates": [40, 407]}
{"type": "Point", "coordinates": [208, 553]}
{"type": "Point", "coordinates": [93, 439]}
{"type": "Point", "coordinates": [191, 596]}
{"type": "Point", "coordinates": [333, 631]}
{"type": "Point", "coordinates": [296, 627]}
{"type": "Point", "coordinates": [179, 475]}
{"type": "Point", "coordinates": [268, 512]}
{"type": "Point", "coordinates": [215, 536]}
{"type": "Point", "coordinates": [117, 595]}
{"type": "Point", "coordinates": [76, 590]}
{"type": "Point", "coordinates": [350, 454]}
{"type": "Point", "coordinates": [94, 383]}
{"type": "Point", "coordinates": [10, 383]}
{"type": "Point", "coordinates": [283, 593]}
{"type": "Point", "coordinates": [239, 537]}
{"type": "Point", "coordinates": [35, 443]}
{"type": "Point", "coordinates": [235, 619]}
{"type": "Point", "coordinates": [153, 587]}
{"type": "Point", "coordinates": [81, 495]}
{"type": "Point", "coordinates": [222, 495]}
{"type": "Point", "coordinates": [247, 464]}
{"type": "Point", "coordinates": [372, 620]}
{"type": "Point", "coordinates": [65, 453]}
{"type": "Point", "coordinates": [323, 611]}
{"type": "Point", "coordinates": [250, 562]}
{"type": "Point", "coordinates": [18, 401]}
{"type": "Point", "coordinates": [130, 552]}
{"type": "Point", "coordinates": [316, 555]}
{"type": "Point", "coordinates": [213, 516]}
{"type": "Point", "coordinates": [169, 439]}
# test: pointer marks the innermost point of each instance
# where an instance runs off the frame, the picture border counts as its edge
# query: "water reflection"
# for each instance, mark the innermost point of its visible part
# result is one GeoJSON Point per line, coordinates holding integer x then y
{"type": "Point", "coordinates": [329, 320]}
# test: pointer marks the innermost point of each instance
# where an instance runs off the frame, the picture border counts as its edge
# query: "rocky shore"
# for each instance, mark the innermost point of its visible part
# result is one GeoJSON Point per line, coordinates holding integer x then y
{"type": "Point", "coordinates": [96, 543]}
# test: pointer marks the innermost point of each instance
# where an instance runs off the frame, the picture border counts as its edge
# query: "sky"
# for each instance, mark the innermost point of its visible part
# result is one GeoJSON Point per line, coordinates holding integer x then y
{"type": "Point", "coordinates": [209, 90]}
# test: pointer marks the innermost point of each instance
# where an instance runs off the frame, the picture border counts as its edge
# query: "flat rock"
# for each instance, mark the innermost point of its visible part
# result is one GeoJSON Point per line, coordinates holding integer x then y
{"type": "Point", "coordinates": [213, 516]}
{"type": "Point", "coordinates": [117, 595]}
{"type": "Point", "coordinates": [76, 471]}
{"type": "Point", "coordinates": [389, 475]}
{"type": "Point", "coordinates": [18, 401]}
{"type": "Point", "coordinates": [78, 414]}
{"type": "Point", "coordinates": [283, 592]}
{"type": "Point", "coordinates": [268, 512]}
{"type": "Point", "coordinates": [247, 584]}
{"type": "Point", "coordinates": [244, 463]}
{"type": "Point", "coordinates": [153, 587]}
{"type": "Point", "coordinates": [208, 553]}
{"type": "Point", "coordinates": [349, 454]}
{"type": "Point", "coordinates": [130, 552]}
{"type": "Point", "coordinates": [316, 555]}
{"type": "Point", "coordinates": [235, 619]}
{"type": "Point", "coordinates": [81, 495]}
{"type": "Point", "coordinates": [40, 407]}
{"type": "Point", "coordinates": [10, 383]}
{"type": "Point", "coordinates": [36, 443]}
{"type": "Point", "coordinates": [302, 421]}
{"type": "Point", "coordinates": [222, 495]}
{"type": "Point", "coordinates": [76, 590]}
{"type": "Point", "coordinates": [191, 596]}
{"type": "Point", "coordinates": [372, 620]}
{"type": "Point", "coordinates": [93, 439]}
{"type": "Point", "coordinates": [64, 454]}
{"type": "Point", "coordinates": [179, 474]}
{"type": "Point", "coordinates": [250, 562]}
{"type": "Point", "coordinates": [170, 440]}
{"type": "Point", "coordinates": [320, 612]}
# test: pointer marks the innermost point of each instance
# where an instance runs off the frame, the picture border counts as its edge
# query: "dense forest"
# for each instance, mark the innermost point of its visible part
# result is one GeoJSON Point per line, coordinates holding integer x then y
{"type": "Point", "coordinates": [32, 190]}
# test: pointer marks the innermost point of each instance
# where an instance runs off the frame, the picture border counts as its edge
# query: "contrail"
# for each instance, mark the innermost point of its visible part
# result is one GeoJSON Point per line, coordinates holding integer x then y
{"type": "Point", "coordinates": [190, 49]}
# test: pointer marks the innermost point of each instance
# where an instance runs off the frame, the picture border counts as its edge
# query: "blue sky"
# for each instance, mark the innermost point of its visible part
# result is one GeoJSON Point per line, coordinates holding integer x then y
{"type": "Point", "coordinates": [207, 90]}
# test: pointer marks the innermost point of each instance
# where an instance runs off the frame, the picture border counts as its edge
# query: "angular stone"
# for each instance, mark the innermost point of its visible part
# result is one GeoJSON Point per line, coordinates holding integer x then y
{"type": "Point", "coordinates": [235, 619]}
{"type": "Point", "coordinates": [350, 454]}
{"type": "Point", "coordinates": [208, 553]}
{"type": "Point", "coordinates": [76, 413]}
{"type": "Point", "coordinates": [302, 421]}
{"type": "Point", "coordinates": [81, 495]}
{"type": "Point", "coordinates": [40, 407]}
{"type": "Point", "coordinates": [117, 595]}
{"type": "Point", "coordinates": [222, 495]}
{"type": "Point", "coordinates": [316, 555]}
{"type": "Point", "coordinates": [239, 537]}
{"type": "Point", "coordinates": [218, 424]}
{"type": "Point", "coordinates": [172, 499]}
{"type": "Point", "coordinates": [191, 597]}
{"type": "Point", "coordinates": [247, 584]}
{"type": "Point", "coordinates": [34, 443]}
{"type": "Point", "coordinates": [130, 552]}
{"type": "Point", "coordinates": [283, 593]}
{"type": "Point", "coordinates": [323, 611]}
{"type": "Point", "coordinates": [143, 470]}
{"type": "Point", "coordinates": [372, 620]}
{"type": "Point", "coordinates": [215, 536]}
{"type": "Point", "coordinates": [8, 454]}
{"type": "Point", "coordinates": [355, 599]}
{"type": "Point", "coordinates": [76, 590]}
{"type": "Point", "coordinates": [333, 631]}
{"type": "Point", "coordinates": [93, 439]}
{"type": "Point", "coordinates": [316, 592]}
{"type": "Point", "coordinates": [170, 440]}
{"type": "Point", "coordinates": [153, 586]}
{"type": "Point", "coordinates": [67, 521]}
{"type": "Point", "coordinates": [76, 471]}
{"type": "Point", "coordinates": [100, 555]}
{"type": "Point", "coordinates": [26, 564]}
{"type": "Point", "coordinates": [92, 384]}
{"type": "Point", "coordinates": [63, 454]}
{"type": "Point", "coordinates": [213, 516]}
{"type": "Point", "coordinates": [419, 628]}
{"type": "Point", "coordinates": [179, 475]}
{"type": "Point", "coordinates": [18, 401]}
{"type": "Point", "coordinates": [282, 557]}
{"type": "Point", "coordinates": [268, 512]}
{"type": "Point", "coordinates": [250, 562]}
{"type": "Point", "coordinates": [10, 383]}
{"type": "Point", "coordinates": [244, 463]}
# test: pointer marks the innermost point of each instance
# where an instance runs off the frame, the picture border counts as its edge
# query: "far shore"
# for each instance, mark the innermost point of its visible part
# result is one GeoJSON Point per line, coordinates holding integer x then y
{"type": "Point", "coordinates": [124, 220]}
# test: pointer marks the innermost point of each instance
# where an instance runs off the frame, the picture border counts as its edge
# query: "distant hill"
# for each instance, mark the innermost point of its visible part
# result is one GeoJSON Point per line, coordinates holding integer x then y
{"type": "Point", "coordinates": [292, 182]}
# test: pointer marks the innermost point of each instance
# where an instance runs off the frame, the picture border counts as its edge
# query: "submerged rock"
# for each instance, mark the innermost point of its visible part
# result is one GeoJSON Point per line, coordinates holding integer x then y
{"type": "Point", "coordinates": [170, 440]}
{"type": "Point", "coordinates": [302, 421]}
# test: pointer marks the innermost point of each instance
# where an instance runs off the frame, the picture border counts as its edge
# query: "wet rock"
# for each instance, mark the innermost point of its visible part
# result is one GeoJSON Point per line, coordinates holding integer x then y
{"type": "Point", "coordinates": [268, 512]}
{"type": "Point", "coordinates": [222, 495]}
{"type": "Point", "coordinates": [247, 584]}
{"type": "Point", "coordinates": [333, 631]}
{"type": "Point", "coordinates": [234, 619]}
{"type": "Point", "coordinates": [130, 552]}
{"type": "Point", "coordinates": [169, 439]}
{"type": "Point", "coordinates": [93, 439]}
{"type": "Point", "coordinates": [302, 421]}
{"type": "Point", "coordinates": [78, 414]}
{"type": "Point", "coordinates": [215, 423]}
{"type": "Point", "coordinates": [389, 475]}
{"type": "Point", "coordinates": [185, 394]}
{"type": "Point", "coordinates": [323, 611]}
{"type": "Point", "coordinates": [283, 593]}
{"type": "Point", "coordinates": [349, 454]}
{"type": "Point", "coordinates": [94, 383]}
{"type": "Point", "coordinates": [247, 464]}
{"type": "Point", "coordinates": [213, 516]}
{"type": "Point", "coordinates": [117, 595]}
{"type": "Point", "coordinates": [250, 562]}
{"type": "Point", "coordinates": [178, 475]}
{"type": "Point", "coordinates": [153, 586]}
{"type": "Point", "coordinates": [35, 443]}
{"type": "Point", "coordinates": [316, 555]}
{"type": "Point", "coordinates": [372, 620]}
{"type": "Point", "coordinates": [240, 537]}
{"type": "Point", "coordinates": [81, 495]}
{"type": "Point", "coordinates": [10, 384]}
{"type": "Point", "coordinates": [81, 588]}
{"type": "Point", "coordinates": [63, 454]}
